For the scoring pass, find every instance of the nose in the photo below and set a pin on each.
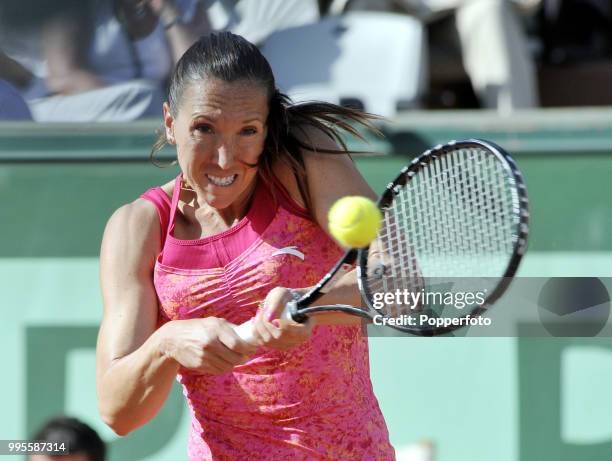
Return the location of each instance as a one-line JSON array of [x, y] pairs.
[[225, 155]]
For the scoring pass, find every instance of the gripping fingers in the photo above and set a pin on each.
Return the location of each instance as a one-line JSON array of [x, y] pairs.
[[266, 324], [215, 365], [266, 331], [273, 329], [234, 347], [295, 333], [219, 358]]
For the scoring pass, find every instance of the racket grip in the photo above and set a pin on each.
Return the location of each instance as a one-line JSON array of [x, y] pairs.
[[245, 330]]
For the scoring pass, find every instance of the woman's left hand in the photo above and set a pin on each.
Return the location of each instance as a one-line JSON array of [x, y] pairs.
[[270, 331]]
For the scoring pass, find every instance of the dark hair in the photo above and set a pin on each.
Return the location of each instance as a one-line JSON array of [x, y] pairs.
[[230, 58], [78, 437]]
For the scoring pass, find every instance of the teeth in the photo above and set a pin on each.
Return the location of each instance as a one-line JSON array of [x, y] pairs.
[[221, 181]]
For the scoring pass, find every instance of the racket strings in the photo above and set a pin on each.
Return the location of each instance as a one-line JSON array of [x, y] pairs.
[[455, 218]]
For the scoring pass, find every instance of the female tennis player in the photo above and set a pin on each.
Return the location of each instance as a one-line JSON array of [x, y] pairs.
[[243, 223]]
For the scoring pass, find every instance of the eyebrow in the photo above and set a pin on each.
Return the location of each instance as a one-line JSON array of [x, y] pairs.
[[211, 119]]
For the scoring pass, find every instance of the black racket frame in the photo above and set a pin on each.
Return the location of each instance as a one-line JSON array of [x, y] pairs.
[[300, 309]]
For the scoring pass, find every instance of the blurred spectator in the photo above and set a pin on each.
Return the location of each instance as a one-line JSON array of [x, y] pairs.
[[255, 20], [492, 41], [108, 60], [102, 60], [12, 71], [83, 442], [12, 105]]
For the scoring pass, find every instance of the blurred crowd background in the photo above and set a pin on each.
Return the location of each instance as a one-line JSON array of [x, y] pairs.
[[109, 60]]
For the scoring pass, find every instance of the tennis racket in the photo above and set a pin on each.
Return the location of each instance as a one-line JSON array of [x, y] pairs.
[[455, 221]]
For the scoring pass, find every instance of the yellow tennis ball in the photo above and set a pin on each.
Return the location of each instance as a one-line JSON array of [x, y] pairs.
[[354, 221]]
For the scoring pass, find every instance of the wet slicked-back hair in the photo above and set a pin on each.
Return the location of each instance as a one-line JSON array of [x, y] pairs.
[[224, 56], [231, 58]]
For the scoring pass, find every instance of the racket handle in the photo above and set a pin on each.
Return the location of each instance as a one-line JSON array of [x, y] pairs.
[[245, 330]]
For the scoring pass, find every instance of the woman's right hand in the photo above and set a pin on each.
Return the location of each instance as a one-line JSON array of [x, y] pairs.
[[208, 345]]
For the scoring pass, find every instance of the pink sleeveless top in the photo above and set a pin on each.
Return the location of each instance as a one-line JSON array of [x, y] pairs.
[[313, 402]]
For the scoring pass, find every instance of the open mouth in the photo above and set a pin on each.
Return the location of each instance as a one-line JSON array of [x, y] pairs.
[[222, 181]]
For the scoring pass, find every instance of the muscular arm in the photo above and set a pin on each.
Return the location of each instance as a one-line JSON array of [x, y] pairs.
[[137, 363], [133, 376]]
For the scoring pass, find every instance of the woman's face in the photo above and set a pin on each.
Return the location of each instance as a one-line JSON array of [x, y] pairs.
[[219, 130]]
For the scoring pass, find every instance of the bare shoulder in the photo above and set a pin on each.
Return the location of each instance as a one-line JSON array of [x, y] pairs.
[[132, 231], [168, 188], [140, 213], [335, 170], [286, 177], [316, 163], [329, 175], [310, 135], [316, 158]]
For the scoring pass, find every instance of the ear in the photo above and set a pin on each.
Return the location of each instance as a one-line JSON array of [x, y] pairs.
[[169, 124]]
